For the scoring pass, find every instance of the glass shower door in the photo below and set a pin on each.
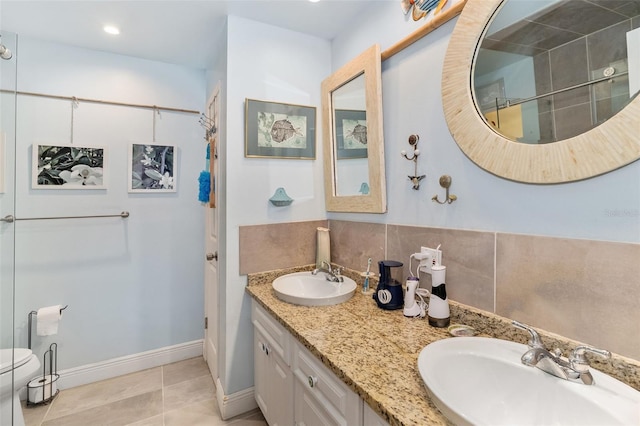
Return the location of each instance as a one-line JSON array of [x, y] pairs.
[[8, 75]]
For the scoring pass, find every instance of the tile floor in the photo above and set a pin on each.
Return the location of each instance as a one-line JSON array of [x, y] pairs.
[[178, 394]]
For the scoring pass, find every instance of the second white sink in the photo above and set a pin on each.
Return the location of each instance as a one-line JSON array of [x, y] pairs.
[[481, 381], [302, 288]]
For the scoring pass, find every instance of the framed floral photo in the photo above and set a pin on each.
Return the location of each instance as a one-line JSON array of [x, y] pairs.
[[152, 168], [276, 130], [68, 167]]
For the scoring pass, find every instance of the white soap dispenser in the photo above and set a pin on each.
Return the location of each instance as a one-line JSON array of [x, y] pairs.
[[438, 301]]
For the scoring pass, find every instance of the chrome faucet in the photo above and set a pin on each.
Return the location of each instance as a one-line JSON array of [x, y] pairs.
[[575, 368], [331, 274]]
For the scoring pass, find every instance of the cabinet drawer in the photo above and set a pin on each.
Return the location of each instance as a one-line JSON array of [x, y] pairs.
[[276, 335], [324, 385]]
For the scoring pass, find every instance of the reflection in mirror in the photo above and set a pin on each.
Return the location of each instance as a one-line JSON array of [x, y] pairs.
[[548, 70], [597, 146], [353, 147], [350, 139]]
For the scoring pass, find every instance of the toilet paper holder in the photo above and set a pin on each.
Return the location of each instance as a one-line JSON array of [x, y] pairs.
[[30, 325], [42, 389]]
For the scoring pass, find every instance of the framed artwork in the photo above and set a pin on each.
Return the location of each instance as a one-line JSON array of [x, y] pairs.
[[152, 168], [278, 130], [351, 133], [68, 167]]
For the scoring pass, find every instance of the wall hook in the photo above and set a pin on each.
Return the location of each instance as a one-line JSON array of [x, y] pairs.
[[209, 125], [445, 182], [415, 179]]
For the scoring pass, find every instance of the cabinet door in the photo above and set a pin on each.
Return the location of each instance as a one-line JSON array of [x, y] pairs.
[[280, 388], [260, 371], [273, 383]]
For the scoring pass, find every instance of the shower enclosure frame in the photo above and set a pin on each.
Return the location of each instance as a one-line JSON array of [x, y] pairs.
[[8, 124]]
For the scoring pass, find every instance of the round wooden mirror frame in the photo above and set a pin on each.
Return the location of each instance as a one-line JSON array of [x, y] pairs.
[[611, 145]]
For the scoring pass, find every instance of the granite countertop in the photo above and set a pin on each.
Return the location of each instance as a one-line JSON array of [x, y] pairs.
[[375, 351]]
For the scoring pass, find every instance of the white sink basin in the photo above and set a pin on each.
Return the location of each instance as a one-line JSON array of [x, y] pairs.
[[302, 288], [481, 381]]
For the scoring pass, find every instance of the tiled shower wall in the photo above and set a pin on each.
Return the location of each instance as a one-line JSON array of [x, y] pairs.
[[581, 289], [578, 110]]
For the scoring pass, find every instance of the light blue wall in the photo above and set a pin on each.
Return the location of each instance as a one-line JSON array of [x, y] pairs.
[[131, 285], [603, 208], [270, 64]]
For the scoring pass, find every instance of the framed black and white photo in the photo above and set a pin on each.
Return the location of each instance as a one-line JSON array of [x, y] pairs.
[[279, 130], [152, 168], [68, 167], [351, 133]]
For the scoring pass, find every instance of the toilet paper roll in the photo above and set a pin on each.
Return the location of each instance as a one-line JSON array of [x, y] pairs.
[[47, 320], [42, 388]]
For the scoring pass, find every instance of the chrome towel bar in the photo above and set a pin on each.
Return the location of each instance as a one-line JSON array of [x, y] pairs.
[[11, 218]]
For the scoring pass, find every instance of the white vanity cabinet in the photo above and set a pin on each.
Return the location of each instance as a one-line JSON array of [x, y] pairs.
[[273, 380], [293, 387]]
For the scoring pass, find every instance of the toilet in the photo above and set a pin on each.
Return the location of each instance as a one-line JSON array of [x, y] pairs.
[[17, 367]]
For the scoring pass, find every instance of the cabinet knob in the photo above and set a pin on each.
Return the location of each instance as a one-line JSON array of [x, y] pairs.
[[312, 381]]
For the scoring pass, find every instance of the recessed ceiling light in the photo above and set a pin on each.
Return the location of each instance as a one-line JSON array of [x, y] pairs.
[[314, 1], [110, 29]]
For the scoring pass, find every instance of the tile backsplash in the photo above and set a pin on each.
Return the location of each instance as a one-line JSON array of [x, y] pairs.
[[585, 290], [278, 245]]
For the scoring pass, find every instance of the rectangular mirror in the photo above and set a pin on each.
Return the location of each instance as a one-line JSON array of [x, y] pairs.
[[352, 136]]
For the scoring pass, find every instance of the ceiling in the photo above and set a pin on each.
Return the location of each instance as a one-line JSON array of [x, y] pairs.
[[176, 31]]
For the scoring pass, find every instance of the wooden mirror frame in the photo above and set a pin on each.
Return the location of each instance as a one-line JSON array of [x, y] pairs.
[[369, 63], [609, 146]]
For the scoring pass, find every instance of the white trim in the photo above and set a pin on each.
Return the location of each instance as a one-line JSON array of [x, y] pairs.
[[234, 404], [114, 367]]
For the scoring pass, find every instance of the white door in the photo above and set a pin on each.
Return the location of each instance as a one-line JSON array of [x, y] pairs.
[[211, 291]]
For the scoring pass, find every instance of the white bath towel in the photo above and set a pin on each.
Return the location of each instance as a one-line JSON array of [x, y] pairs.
[[47, 320]]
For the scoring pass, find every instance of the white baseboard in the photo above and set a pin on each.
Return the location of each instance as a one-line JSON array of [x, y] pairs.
[[234, 404], [110, 368]]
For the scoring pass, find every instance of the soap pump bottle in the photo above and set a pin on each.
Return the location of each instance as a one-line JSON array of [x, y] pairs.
[[438, 312]]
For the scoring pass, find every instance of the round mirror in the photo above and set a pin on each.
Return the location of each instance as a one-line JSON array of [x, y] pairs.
[[549, 70], [597, 134]]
